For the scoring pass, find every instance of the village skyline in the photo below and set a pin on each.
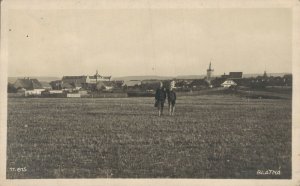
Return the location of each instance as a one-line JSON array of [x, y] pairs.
[[162, 76]]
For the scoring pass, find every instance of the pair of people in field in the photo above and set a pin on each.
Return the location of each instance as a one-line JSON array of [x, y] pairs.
[[160, 97]]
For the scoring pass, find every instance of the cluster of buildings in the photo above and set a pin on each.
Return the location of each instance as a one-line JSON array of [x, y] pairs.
[[228, 79], [81, 82], [27, 86], [76, 86], [234, 80]]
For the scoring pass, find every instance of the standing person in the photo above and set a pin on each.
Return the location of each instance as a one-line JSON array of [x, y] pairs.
[[160, 98], [171, 101]]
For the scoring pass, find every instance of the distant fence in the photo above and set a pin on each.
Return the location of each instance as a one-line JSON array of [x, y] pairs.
[[105, 95]]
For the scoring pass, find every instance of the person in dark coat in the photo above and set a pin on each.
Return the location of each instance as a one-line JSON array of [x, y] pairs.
[[171, 101], [160, 98]]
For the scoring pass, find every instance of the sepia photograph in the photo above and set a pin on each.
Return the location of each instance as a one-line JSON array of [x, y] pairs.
[[148, 90]]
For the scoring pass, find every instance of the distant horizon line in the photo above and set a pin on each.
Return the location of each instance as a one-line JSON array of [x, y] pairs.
[[150, 75]]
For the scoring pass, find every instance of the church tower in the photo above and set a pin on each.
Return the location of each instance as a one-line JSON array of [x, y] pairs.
[[209, 73], [265, 74]]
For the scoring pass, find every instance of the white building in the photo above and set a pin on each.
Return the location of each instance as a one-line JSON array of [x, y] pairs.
[[228, 83], [34, 92]]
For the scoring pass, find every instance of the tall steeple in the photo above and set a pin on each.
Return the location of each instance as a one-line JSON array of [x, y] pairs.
[[96, 75], [265, 74], [209, 73]]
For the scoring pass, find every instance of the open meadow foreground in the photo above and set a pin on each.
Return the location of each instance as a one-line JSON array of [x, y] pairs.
[[210, 136]]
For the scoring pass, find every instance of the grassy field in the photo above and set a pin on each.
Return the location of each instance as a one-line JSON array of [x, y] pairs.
[[211, 136]]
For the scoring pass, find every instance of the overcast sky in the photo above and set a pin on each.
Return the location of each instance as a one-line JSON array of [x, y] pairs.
[[148, 41]]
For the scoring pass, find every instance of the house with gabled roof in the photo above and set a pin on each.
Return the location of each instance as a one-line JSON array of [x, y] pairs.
[[228, 83], [29, 86], [73, 82]]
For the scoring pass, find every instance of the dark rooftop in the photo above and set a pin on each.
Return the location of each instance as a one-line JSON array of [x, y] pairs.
[[235, 75]]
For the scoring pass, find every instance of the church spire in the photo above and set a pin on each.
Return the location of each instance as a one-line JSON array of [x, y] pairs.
[[209, 73]]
